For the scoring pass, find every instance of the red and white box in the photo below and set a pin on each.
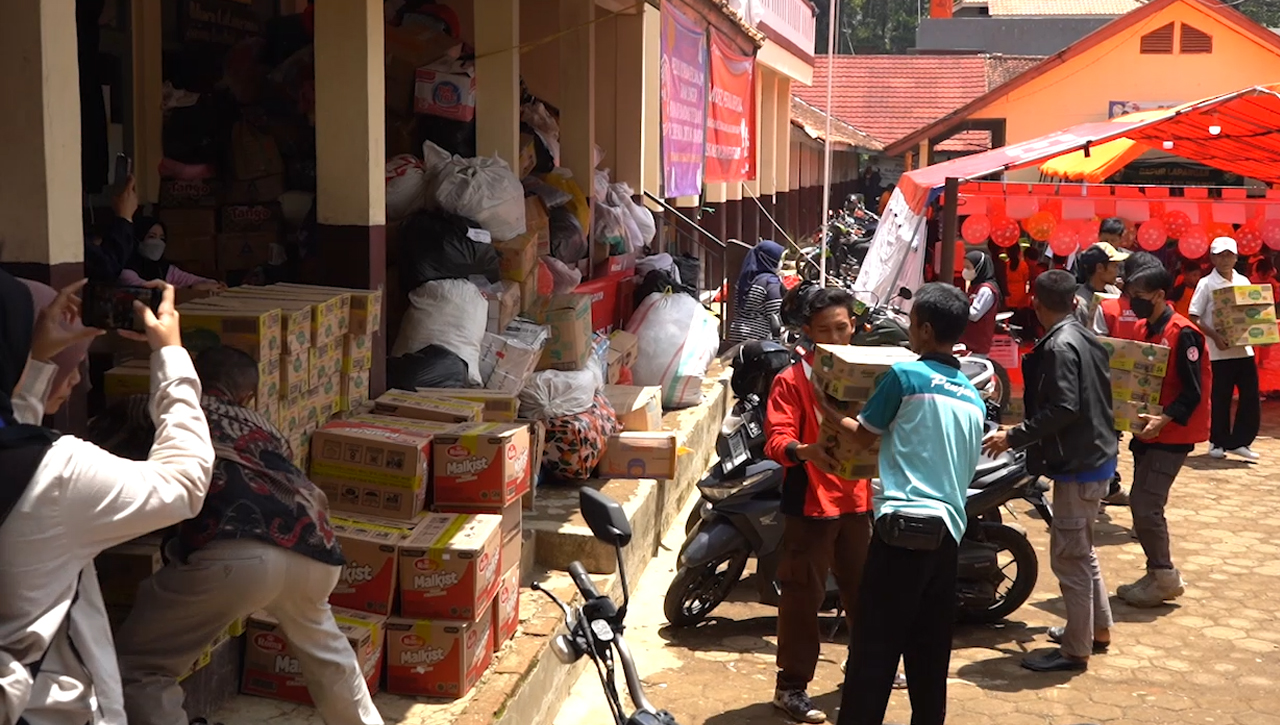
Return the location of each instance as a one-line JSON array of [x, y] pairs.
[[372, 548], [437, 657], [449, 568], [271, 665], [506, 608], [481, 464]]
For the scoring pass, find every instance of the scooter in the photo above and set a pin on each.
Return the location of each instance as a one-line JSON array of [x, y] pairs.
[[594, 628]]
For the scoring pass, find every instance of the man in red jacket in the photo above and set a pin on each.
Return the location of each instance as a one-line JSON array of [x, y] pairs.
[[827, 524]]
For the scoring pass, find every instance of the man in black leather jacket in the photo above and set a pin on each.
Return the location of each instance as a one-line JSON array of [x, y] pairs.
[[1069, 433]]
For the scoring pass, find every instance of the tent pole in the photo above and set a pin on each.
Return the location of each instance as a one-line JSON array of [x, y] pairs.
[[947, 258]]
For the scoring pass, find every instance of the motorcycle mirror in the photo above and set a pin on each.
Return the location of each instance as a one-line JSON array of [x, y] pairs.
[[904, 293], [605, 517]]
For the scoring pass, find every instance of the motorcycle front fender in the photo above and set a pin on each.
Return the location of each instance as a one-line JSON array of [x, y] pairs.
[[712, 541]]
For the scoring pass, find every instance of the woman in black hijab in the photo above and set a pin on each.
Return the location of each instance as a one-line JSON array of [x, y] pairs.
[[984, 302]]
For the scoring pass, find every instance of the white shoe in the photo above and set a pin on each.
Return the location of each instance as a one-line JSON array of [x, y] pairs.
[[797, 704], [1217, 452], [1165, 585], [1245, 452]]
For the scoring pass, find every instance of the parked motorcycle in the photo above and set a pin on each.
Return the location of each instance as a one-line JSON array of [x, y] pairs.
[[595, 627]]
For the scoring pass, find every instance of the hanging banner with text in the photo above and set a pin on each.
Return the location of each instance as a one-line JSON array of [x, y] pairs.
[[684, 104], [731, 121]]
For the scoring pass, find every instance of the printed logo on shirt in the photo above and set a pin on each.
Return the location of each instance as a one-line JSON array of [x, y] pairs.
[[1193, 354]]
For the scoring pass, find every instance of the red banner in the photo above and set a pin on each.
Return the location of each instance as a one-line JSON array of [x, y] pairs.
[[731, 117]]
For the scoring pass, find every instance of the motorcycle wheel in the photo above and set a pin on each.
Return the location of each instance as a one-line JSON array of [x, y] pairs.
[[1004, 388], [695, 592], [1012, 548]]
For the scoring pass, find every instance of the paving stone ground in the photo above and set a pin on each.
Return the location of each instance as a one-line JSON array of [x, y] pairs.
[[1213, 657]]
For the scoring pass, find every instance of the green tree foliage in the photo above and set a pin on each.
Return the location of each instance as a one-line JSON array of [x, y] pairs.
[[1266, 12], [878, 26]]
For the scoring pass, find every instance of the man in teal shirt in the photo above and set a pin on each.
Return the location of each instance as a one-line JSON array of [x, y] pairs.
[[929, 419]]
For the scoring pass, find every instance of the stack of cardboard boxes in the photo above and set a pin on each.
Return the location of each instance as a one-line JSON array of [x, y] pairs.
[[1137, 374], [642, 449], [847, 375], [190, 215], [214, 230], [1246, 315]]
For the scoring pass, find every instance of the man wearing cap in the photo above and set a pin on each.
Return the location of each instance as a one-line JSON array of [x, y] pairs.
[[1234, 369]]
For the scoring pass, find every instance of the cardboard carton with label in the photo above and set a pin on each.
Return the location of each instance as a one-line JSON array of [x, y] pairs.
[[437, 657], [371, 469], [639, 409], [271, 665], [851, 372], [1137, 356], [421, 406], [449, 567], [371, 545], [640, 455], [481, 464]]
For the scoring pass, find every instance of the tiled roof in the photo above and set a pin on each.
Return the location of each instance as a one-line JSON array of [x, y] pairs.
[[890, 96], [1045, 8], [814, 122], [1004, 68]]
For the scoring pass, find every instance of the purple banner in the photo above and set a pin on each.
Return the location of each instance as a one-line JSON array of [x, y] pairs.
[[684, 104]]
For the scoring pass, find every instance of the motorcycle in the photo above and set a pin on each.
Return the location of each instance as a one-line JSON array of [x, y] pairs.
[[594, 628]]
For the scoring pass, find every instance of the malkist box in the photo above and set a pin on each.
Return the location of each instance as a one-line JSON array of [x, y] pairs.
[[1142, 357], [1127, 414], [1135, 387], [206, 324], [851, 372], [371, 546], [366, 305], [370, 469], [423, 406], [1243, 294], [640, 455], [506, 607], [449, 567], [481, 464], [512, 515], [437, 657], [271, 665], [499, 407], [357, 353], [639, 409], [854, 462]]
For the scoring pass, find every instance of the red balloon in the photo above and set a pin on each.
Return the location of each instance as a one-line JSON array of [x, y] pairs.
[[1194, 242], [976, 228], [1248, 238], [1005, 231], [1270, 230], [1064, 241], [1152, 235], [1177, 223], [1040, 225], [1219, 229]]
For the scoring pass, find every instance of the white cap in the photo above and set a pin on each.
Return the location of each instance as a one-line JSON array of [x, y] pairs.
[[1223, 244]]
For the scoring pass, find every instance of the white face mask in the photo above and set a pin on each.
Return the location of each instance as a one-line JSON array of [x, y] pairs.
[[151, 248], [969, 274]]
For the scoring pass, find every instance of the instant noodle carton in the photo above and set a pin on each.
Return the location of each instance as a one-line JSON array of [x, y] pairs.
[[1246, 315], [371, 546], [422, 406], [1135, 387], [851, 372], [1127, 415], [366, 305], [481, 464], [295, 315], [506, 607], [271, 665], [1140, 357], [854, 462], [254, 331], [438, 657], [1243, 294], [357, 353], [449, 567]]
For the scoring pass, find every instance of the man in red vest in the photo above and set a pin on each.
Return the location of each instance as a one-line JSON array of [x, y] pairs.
[[1161, 448]]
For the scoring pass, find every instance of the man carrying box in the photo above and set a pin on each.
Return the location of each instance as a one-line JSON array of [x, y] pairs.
[[1161, 448], [1071, 436], [1234, 368], [825, 517]]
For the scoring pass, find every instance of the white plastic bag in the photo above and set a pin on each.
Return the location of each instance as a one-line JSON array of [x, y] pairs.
[[544, 124], [557, 393], [565, 278], [406, 186], [620, 196], [485, 190], [677, 339], [434, 160], [600, 185], [664, 262], [451, 313]]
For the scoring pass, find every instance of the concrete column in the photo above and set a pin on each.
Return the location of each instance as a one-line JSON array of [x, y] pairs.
[[147, 88], [41, 229], [768, 142], [651, 83], [578, 92], [498, 73], [351, 203]]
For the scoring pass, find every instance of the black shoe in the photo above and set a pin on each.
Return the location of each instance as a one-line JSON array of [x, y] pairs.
[[1054, 661], [1056, 634]]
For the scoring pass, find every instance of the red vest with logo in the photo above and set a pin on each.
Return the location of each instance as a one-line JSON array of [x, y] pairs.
[[1121, 322], [979, 333], [1197, 428]]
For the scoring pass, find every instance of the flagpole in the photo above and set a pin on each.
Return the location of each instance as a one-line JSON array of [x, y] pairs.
[[826, 150]]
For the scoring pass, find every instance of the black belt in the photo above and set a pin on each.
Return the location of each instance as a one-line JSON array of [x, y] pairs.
[[911, 531]]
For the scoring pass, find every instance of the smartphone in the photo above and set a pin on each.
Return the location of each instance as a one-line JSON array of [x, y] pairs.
[[110, 306], [124, 167]]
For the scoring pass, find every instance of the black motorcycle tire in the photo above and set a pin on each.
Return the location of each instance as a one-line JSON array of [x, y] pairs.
[[688, 582], [1006, 538]]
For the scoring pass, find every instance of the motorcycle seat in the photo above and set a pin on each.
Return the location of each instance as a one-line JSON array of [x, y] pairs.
[[989, 469]]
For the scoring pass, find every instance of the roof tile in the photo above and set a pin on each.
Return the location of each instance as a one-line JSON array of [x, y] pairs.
[[1042, 8]]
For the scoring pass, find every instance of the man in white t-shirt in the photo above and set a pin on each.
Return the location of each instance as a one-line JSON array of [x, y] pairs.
[[1234, 368]]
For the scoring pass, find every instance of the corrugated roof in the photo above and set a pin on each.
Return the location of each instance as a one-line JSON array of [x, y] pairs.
[[1053, 8], [814, 123]]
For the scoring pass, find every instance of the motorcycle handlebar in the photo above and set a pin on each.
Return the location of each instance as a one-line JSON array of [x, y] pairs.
[[583, 581]]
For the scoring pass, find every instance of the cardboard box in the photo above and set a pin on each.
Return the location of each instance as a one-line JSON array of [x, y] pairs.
[[531, 303], [437, 658], [446, 89], [256, 191], [639, 409], [1243, 294], [537, 224], [237, 251], [855, 462], [366, 305], [123, 567], [1127, 414], [254, 152], [528, 155], [249, 218], [607, 310], [449, 567], [183, 193], [189, 223], [506, 607], [407, 424], [512, 517], [506, 364], [197, 255], [1266, 333], [518, 257], [850, 372], [422, 406], [504, 305], [569, 317], [295, 315], [370, 469], [499, 407], [325, 361], [331, 309], [206, 325], [1142, 357], [1247, 324], [640, 455], [295, 373], [626, 345], [1135, 387], [130, 378], [268, 383], [357, 353], [481, 464], [370, 578], [354, 392], [512, 548], [408, 48], [271, 665]]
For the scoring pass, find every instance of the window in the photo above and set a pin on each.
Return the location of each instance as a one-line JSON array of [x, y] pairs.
[[1194, 41], [1159, 41]]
